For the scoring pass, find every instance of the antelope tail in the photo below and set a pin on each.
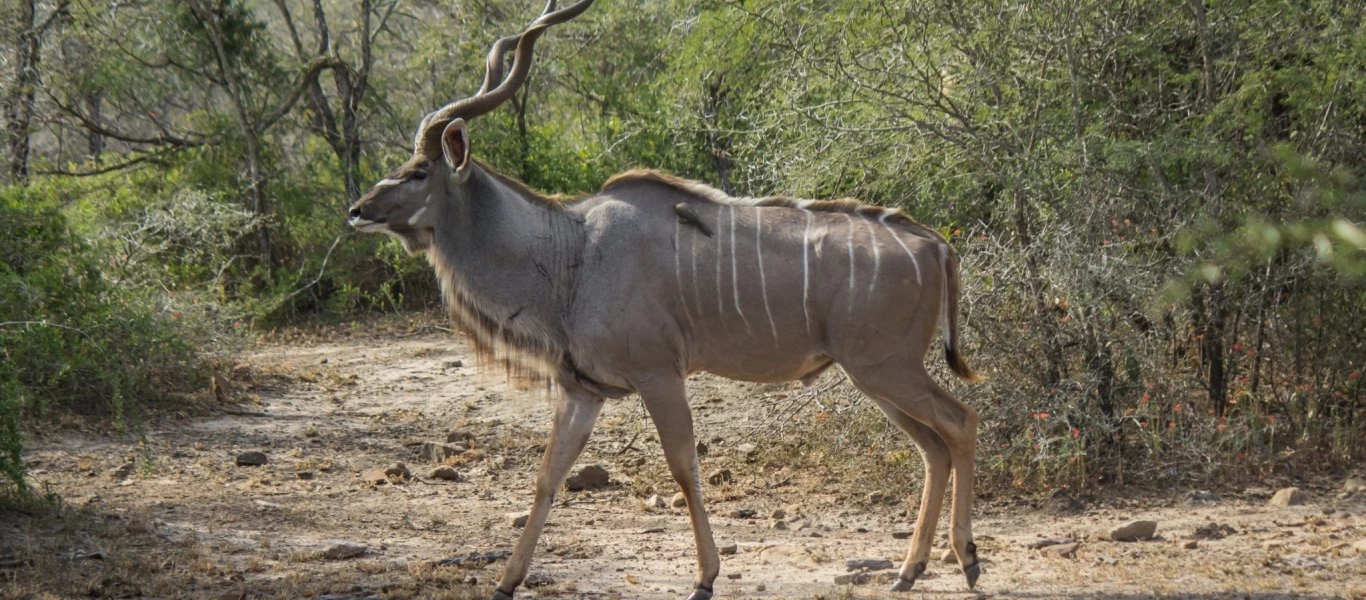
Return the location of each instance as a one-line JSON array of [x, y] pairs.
[[948, 315]]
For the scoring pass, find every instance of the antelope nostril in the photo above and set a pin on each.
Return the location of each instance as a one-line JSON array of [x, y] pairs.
[[355, 213]]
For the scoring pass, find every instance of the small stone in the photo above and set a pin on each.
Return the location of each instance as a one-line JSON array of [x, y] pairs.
[[777, 524], [868, 564], [747, 449], [761, 587], [1213, 531], [591, 477], [538, 580], [701, 448], [656, 501], [742, 513], [1288, 497], [305, 475], [1062, 550], [433, 452], [720, 476], [678, 501], [728, 549], [853, 579], [398, 471], [1191, 545], [732, 575], [445, 474], [453, 364], [1134, 532], [902, 535], [1044, 543], [518, 520], [251, 459], [343, 551], [876, 498], [778, 513], [460, 436], [1201, 498], [122, 472]]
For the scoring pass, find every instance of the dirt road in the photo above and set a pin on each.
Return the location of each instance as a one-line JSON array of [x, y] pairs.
[[184, 520]]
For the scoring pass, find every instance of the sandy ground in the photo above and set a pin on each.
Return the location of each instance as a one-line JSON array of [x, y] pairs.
[[184, 521]]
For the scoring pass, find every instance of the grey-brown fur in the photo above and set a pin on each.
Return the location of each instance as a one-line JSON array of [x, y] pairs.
[[655, 277]]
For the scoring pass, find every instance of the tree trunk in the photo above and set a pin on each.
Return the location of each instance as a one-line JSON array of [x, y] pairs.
[[19, 100]]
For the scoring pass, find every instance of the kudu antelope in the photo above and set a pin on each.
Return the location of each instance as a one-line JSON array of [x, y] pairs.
[[631, 289]]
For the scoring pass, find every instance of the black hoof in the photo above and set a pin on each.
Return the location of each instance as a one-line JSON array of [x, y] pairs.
[[501, 595], [906, 582], [972, 573], [700, 594]]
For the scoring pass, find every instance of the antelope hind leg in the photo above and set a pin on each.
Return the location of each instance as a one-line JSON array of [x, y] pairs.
[[575, 412], [935, 455]]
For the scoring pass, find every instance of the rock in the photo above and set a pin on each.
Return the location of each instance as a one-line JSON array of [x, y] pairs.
[[122, 472], [778, 513], [438, 453], [591, 477], [453, 364], [251, 459], [1191, 545], [518, 519], [948, 556], [395, 473], [343, 551], [719, 477], [777, 524], [1288, 497], [1134, 532], [742, 513], [678, 501], [1062, 550], [729, 549], [868, 564], [701, 448], [732, 575], [853, 579], [1062, 503], [445, 474], [1044, 543], [876, 498], [761, 587], [902, 535], [656, 501], [747, 449], [305, 475]]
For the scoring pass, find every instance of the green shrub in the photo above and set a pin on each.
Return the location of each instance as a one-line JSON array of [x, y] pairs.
[[69, 338]]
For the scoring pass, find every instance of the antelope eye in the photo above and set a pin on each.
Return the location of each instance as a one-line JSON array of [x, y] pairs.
[[418, 176]]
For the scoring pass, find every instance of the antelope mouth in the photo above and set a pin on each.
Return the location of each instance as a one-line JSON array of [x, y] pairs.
[[368, 226]]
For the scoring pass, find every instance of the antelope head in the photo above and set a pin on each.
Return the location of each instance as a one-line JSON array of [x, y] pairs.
[[409, 202]]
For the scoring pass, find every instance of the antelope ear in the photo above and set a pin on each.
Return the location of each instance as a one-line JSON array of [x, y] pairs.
[[455, 146]]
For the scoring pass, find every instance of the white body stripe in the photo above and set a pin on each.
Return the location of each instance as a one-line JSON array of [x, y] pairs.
[[678, 271], [417, 215], [763, 281], [850, 244], [877, 257], [735, 270], [806, 270], [883, 221]]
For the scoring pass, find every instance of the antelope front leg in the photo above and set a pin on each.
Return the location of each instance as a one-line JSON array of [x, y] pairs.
[[667, 403], [575, 413]]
